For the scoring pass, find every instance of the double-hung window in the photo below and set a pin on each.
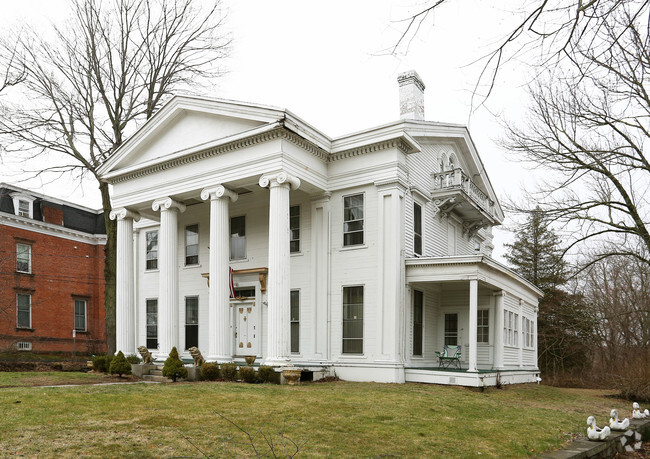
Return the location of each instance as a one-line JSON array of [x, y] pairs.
[[353, 320], [418, 310], [238, 238], [294, 226], [353, 220], [152, 249], [152, 324], [24, 310], [80, 315], [529, 333], [511, 328], [417, 229], [295, 321], [24, 208], [191, 321], [23, 258], [192, 245], [482, 326]]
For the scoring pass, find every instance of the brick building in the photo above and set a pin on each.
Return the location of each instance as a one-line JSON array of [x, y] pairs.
[[51, 274]]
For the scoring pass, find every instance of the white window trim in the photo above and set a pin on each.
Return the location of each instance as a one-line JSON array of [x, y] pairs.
[[422, 227], [146, 252], [299, 251], [363, 244], [17, 197], [346, 355], [483, 343], [198, 245], [29, 258], [245, 257]]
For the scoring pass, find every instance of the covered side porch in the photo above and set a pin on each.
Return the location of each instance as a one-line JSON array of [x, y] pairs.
[[480, 312]]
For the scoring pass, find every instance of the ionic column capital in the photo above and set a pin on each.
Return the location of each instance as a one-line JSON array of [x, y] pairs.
[[218, 192], [279, 179], [123, 213], [166, 204]]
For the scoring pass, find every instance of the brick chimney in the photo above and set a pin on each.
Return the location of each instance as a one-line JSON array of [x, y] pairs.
[[411, 96]]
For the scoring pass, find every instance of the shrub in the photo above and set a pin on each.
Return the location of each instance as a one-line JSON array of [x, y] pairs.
[[102, 363], [229, 371], [266, 374], [174, 367], [132, 358], [108, 359], [210, 371], [247, 374], [119, 365]]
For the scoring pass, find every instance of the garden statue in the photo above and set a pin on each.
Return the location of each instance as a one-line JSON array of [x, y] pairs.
[[614, 422], [593, 432], [196, 355], [147, 359], [637, 413]]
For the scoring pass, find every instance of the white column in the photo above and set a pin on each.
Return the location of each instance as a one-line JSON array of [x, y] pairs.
[[520, 332], [278, 285], [168, 280], [125, 287], [473, 312], [498, 329], [219, 335]]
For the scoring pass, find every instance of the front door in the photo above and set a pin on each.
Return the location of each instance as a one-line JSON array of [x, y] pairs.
[[246, 331]]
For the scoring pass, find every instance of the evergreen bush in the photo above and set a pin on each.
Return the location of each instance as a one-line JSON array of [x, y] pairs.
[[132, 358], [229, 371], [108, 359], [247, 374], [210, 371], [266, 374], [174, 367], [99, 363], [119, 365]]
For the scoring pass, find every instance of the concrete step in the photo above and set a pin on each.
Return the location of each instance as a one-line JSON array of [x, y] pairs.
[[155, 378], [155, 372]]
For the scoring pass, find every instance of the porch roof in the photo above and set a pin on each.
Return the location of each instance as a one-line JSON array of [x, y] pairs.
[[467, 267]]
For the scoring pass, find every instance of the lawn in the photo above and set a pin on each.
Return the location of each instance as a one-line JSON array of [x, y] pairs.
[[333, 419]]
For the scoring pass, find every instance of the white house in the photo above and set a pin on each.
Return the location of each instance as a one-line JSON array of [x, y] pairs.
[[359, 256]]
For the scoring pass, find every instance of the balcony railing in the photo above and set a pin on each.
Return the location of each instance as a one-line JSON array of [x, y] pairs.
[[456, 179]]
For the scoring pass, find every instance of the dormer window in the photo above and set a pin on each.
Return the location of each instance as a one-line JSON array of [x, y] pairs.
[[23, 205]]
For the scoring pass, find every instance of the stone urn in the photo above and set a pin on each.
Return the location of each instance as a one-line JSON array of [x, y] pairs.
[[292, 375], [250, 359]]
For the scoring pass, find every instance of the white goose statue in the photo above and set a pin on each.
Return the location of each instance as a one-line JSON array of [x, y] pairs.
[[593, 432], [615, 423], [637, 413]]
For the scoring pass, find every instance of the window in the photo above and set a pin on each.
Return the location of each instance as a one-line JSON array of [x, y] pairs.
[[295, 321], [192, 245], [80, 315], [451, 329], [353, 220], [418, 305], [23, 258], [191, 321], [529, 332], [238, 238], [24, 208], [245, 292], [294, 226], [510, 328], [353, 320], [482, 326], [417, 228], [152, 324], [152, 249], [516, 331], [24, 310]]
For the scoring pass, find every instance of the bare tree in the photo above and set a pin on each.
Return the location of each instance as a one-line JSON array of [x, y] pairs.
[[85, 89], [588, 126]]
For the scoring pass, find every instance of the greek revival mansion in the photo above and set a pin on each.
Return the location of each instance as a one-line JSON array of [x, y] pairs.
[[360, 256]]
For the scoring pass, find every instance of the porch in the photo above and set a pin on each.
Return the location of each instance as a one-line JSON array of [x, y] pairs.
[[463, 377]]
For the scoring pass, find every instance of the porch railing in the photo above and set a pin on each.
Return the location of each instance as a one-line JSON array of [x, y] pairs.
[[457, 179]]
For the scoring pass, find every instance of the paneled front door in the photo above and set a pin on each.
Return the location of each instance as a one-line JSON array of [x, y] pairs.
[[246, 328]]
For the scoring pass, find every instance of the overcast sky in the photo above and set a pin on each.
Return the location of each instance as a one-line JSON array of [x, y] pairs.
[[324, 62]]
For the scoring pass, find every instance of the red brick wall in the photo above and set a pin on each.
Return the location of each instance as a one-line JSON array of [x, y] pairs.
[[62, 270], [52, 215]]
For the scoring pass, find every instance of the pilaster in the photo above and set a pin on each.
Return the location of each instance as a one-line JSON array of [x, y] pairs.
[[473, 322], [498, 329], [320, 246]]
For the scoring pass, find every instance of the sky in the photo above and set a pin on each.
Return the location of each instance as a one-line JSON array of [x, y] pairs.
[[326, 61]]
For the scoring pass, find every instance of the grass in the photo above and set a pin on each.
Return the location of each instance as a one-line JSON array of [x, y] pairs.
[[335, 419], [52, 378]]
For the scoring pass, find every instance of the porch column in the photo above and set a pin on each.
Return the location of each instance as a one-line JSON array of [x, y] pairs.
[[278, 284], [125, 285], [219, 335], [473, 312], [168, 280], [498, 329]]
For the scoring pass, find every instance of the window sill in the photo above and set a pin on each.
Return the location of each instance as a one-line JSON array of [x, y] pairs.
[[24, 329], [25, 273], [81, 332], [151, 270], [353, 357], [296, 254], [353, 247], [191, 266], [239, 260]]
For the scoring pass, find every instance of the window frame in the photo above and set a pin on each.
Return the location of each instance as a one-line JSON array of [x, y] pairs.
[[356, 319], [29, 310], [150, 251], [418, 235], [85, 314], [230, 238], [418, 327], [29, 258], [191, 324], [17, 198], [152, 302], [294, 321], [483, 328], [362, 220], [193, 259], [294, 229]]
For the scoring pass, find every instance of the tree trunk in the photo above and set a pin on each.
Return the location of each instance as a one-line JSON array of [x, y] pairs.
[[109, 269]]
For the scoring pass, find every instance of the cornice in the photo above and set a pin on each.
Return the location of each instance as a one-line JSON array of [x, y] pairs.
[[392, 143], [28, 224]]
